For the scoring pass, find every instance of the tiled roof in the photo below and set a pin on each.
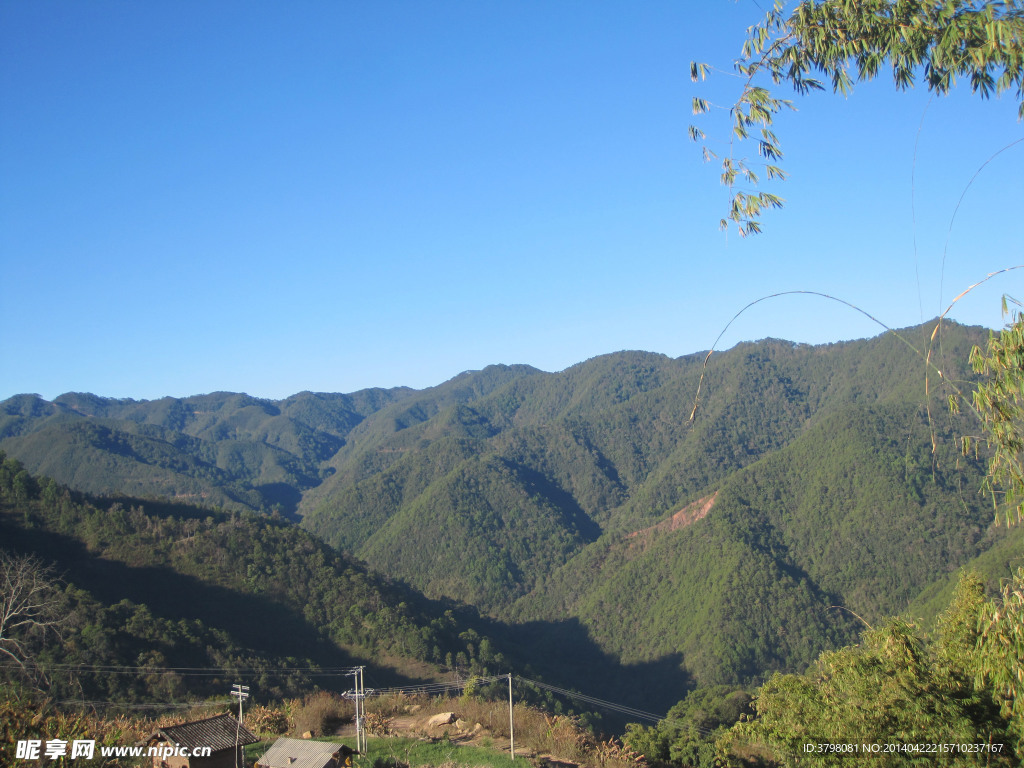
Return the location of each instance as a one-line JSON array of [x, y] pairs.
[[215, 732], [298, 753]]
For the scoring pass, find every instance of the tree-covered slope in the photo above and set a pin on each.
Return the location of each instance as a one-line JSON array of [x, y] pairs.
[[605, 446], [518, 490], [172, 587], [995, 566], [854, 517], [487, 530], [224, 448]]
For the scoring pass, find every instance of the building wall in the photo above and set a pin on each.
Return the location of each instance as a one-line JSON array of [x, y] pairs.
[[223, 759]]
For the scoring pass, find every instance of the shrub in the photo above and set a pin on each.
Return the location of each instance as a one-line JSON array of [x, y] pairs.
[[266, 721], [318, 713], [379, 725]]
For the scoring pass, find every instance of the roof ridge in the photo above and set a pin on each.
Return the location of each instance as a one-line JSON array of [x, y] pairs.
[[201, 720]]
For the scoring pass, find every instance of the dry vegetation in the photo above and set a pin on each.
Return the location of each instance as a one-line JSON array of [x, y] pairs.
[[548, 738], [318, 714], [544, 739]]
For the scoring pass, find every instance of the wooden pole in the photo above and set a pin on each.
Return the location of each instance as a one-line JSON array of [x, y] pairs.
[[511, 722], [362, 713]]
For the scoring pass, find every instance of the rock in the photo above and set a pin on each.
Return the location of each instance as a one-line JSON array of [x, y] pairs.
[[444, 718]]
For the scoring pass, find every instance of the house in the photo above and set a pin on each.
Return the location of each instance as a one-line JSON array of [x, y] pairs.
[[301, 753], [213, 742]]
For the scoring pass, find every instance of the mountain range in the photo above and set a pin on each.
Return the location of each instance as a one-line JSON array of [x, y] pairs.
[[601, 523]]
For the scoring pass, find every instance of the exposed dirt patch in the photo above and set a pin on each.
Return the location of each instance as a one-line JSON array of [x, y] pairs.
[[458, 731], [688, 515]]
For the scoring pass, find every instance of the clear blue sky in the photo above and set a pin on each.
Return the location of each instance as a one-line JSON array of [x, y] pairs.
[[272, 197]]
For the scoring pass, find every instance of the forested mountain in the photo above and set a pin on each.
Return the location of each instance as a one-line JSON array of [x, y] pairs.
[[198, 598], [775, 563], [489, 498], [586, 508], [224, 448]]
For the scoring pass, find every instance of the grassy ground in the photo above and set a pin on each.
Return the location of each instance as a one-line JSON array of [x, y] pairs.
[[475, 735], [397, 752]]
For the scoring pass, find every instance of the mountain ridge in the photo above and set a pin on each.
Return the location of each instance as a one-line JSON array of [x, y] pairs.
[[547, 500]]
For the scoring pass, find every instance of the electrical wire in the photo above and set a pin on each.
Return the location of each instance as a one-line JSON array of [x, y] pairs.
[[131, 705], [425, 689], [614, 707], [196, 671], [638, 713], [429, 688]]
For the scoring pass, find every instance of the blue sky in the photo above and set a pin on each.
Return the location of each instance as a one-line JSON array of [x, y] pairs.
[[274, 197]]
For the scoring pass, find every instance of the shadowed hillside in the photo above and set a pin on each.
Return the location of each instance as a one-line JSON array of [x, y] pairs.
[[587, 504]]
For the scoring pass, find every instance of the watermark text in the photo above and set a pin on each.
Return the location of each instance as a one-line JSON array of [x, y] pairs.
[[51, 749]]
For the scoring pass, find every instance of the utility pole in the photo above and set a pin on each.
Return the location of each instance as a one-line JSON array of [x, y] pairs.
[[361, 725], [242, 692], [358, 695], [511, 723]]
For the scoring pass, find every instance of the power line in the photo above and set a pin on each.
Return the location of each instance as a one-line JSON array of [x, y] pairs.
[[132, 705], [429, 688], [620, 708], [638, 713], [426, 689], [194, 671]]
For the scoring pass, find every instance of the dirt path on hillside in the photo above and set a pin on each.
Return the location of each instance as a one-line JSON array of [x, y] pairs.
[[438, 726]]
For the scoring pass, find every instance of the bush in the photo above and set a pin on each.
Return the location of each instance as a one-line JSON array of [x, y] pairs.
[[318, 713], [394, 704], [266, 721], [379, 725]]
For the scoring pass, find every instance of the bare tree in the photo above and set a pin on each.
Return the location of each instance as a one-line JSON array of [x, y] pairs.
[[29, 606]]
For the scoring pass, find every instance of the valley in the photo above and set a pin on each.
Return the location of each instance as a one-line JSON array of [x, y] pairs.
[[573, 527]]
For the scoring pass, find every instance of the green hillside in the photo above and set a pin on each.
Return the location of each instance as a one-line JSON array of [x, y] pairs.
[[175, 587], [226, 449], [603, 447], [994, 565], [845, 516], [601, 532]]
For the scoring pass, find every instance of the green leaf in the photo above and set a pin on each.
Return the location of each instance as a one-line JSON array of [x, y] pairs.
[[981, 41]]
